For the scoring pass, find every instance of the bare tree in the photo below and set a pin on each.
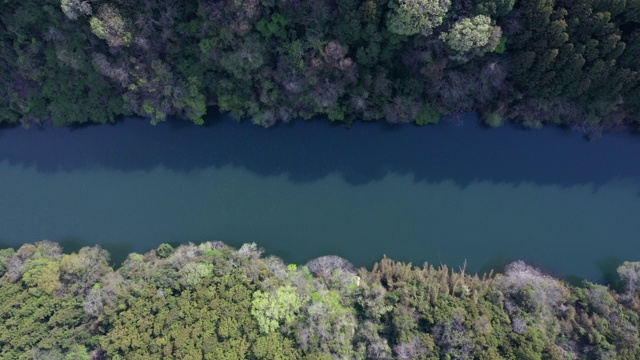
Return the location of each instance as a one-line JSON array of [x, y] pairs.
[[528, 289], [454, 339], [629, 273], [325, 265], [74, 8], [411, 349]]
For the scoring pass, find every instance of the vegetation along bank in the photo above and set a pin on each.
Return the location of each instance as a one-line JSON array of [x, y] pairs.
[[572, 62], [214, 302]]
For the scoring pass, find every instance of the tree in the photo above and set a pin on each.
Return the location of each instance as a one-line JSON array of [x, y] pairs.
[[74, 8], [80, 272], [273, 309], [472, 36], [410, 17], [5, 259], [164, 250], [109, 25], [528, 289], [496, 8], [325, 265], [195, 273], [328, 326], [629, 273], [454, 339]]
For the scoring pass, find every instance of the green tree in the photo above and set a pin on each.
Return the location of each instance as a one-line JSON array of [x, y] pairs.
[[164, 250], [497, 8], [472, 36], [410, 17], [273, 309]]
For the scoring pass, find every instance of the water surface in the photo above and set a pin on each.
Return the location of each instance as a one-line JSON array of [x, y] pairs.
[[451, 193]]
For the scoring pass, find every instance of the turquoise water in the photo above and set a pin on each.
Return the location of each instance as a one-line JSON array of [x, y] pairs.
[[556, 200]]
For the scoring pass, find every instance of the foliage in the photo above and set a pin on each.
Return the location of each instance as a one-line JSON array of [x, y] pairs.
[[38, 314], [409, 61], [472, 36], [271, 310], [410, 17], [494, 8], [109, 25], [210, 301]]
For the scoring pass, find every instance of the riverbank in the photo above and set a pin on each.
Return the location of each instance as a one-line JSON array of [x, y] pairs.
[[209, 299], [78, 62]]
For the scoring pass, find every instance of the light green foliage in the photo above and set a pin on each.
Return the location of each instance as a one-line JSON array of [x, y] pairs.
[[37, 316], [43, 274], [472, 36], [193, 274], [109, 25], [410, 17], [274, 346], [209, 318], [77, 352], [273, 309], [212, 322]]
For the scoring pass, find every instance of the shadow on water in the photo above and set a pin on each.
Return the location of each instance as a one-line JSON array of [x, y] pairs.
[[609, 269], [459, 150], [6, 245], [71, 244], [495, 265], [574, 280]]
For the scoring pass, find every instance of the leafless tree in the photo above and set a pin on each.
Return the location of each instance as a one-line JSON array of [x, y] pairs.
[[532, 291], [629, 273], [325, 265], [518, 325], [454, 339], [410, 350]]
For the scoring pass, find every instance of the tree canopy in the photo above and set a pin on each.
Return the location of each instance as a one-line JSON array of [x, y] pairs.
[[410, 17], [211, 301], [574, 63]]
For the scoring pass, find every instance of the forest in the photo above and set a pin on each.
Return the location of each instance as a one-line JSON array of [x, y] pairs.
[[571, 62], [211, 301]]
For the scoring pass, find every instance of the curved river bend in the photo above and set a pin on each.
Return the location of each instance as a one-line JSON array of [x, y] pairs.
[[448, 193]]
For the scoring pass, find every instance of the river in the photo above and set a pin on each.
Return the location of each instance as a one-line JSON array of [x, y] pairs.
[[452, 193]]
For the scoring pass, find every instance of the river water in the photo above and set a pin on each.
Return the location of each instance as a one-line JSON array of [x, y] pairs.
[[449, 193]]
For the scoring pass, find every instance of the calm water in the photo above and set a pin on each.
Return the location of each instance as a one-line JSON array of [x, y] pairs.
[[447, 194]]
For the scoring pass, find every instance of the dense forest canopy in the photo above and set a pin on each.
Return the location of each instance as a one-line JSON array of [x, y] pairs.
[[210, 301], [573, 62]]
